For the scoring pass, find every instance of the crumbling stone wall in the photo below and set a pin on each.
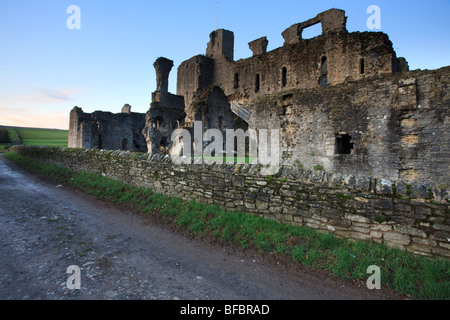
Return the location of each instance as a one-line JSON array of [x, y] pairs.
[[105, 130], [344, 102], [167, 112], [391, 126], [212, 109], [413, 217], [194, 76], [330, 59]]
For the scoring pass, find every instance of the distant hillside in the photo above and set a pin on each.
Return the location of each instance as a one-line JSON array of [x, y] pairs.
[[38, 137]]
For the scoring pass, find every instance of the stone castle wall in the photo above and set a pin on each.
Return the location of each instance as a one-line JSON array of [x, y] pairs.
[[105, 130], [397, 126], [326, 60], [413, 217]]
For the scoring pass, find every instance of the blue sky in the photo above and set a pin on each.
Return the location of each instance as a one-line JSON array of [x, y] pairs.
[[47, 69]]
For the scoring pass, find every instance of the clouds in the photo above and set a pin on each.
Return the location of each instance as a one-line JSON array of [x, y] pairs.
[[38, 107], [56, 95], [52, 120], [39, 96]]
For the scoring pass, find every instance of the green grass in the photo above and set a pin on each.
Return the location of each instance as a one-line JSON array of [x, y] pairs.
[[40, 137], [13, 133], [43, 137], [405, 273]]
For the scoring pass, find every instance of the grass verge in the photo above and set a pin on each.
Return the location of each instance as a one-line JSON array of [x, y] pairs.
[[402, 272]]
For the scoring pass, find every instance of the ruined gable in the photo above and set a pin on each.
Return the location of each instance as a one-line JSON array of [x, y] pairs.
[[105, 130]]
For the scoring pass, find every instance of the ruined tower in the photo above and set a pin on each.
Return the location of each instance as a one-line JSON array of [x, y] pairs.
[[221, 44], [166, 111]]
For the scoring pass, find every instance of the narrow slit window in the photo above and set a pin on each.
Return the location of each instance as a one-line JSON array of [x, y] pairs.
[[236, 80], [284, 77], [257, 83], [124, 144], [362, 66], [323, 80]]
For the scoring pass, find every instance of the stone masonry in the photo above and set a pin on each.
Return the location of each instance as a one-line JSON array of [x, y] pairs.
[[413, 217], [105, 130], [364, 141], [344, 102]]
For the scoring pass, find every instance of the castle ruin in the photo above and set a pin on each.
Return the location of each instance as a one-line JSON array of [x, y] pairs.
[[344, 102]]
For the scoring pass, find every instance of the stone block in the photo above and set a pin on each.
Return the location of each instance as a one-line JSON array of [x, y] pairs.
[[441, 227], [249, 205], [445, 245], [319, 218], [410, 230], [340, 223], [419, 249], [363, 183], [276, 209], [357, 218], [331, 213], [261, 205], [360, 229], [385, 186], [441, 251], [397, 238], [441, 236], [424, 241], [312, 225], [360, 236], [384, 204], [238, 181], [376, 234], [419, 191], [381, 227]]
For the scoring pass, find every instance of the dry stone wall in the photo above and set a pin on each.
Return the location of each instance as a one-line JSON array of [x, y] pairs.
[[413, 217]]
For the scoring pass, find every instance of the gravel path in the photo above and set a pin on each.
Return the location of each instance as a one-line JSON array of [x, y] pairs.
[[45, 228]]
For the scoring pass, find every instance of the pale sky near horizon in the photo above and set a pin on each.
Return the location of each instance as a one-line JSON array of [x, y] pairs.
[[47, 69]]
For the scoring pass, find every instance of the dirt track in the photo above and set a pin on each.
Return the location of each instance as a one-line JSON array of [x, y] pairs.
[[45, 228]]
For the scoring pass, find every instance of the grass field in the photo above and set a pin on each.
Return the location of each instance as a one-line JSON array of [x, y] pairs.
[[38, 137]]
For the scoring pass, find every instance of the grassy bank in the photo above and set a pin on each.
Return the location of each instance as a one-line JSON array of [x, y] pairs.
[[405, 273], [39, 137]]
